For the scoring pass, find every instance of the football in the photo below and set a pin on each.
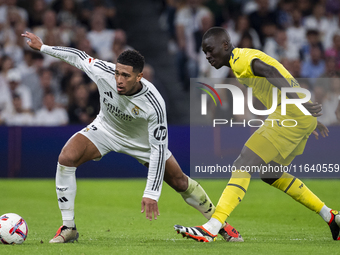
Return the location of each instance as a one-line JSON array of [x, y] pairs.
[[13, 229]]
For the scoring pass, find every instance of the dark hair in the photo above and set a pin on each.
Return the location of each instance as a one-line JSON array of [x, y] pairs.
[[216, 31], [132, 58], [312, 32]]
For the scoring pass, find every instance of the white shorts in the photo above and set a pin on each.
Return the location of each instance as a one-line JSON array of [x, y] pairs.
[[107, 142]]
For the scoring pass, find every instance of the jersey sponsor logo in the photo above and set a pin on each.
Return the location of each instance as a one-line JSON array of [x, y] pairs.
[[160, 133], [108, 93], [135, 110], [115, 111], [91, 60]]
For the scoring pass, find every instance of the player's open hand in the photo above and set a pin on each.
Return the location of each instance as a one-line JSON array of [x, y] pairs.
[[323, 130], [34, 41], [314, 108], [150, 206]]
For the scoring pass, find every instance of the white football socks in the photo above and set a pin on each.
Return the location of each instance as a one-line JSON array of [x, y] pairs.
[[197, 198], [325, 213], [213, 226], [66, 187]]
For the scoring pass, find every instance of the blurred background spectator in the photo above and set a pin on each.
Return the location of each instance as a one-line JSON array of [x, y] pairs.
[[18, 116], [81, 110], [100, 38], [16, 87], [188, 24], [50, 114]]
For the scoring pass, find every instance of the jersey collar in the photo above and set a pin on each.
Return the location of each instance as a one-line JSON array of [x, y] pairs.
[[232, 56], [141, 92]]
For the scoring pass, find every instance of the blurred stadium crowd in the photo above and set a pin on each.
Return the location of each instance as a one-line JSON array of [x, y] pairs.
[[35, 89]]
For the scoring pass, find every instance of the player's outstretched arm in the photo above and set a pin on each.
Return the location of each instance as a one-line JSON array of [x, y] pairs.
[[158, 140], [34, 41], [322, 129], [72, 56], [262, 69]]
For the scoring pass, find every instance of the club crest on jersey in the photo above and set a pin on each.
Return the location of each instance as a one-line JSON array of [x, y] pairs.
[[135, 110], [160, 133]]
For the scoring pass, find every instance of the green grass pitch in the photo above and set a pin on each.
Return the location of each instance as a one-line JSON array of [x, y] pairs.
[[109, 221]]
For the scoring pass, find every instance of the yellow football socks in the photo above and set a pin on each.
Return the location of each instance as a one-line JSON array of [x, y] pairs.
[[232, 195], [298, 191]]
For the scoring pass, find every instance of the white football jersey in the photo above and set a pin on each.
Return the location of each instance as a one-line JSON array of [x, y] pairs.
[[138, 120]]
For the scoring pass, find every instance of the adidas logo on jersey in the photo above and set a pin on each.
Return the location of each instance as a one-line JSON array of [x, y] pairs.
[[109, 93]]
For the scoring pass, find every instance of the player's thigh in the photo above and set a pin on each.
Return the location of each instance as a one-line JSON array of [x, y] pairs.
[[258, 150], [174, 175], [77, 150]]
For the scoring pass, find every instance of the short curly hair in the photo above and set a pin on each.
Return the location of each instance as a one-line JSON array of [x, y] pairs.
[[132, 58]]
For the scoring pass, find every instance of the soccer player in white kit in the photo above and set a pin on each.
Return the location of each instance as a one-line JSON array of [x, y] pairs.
[[132, 120]]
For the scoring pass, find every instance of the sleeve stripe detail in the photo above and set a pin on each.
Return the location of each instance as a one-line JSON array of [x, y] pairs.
[[160, 169], [151, 100], [105, 70], [160, 177], [160, 107], [104, 67], [82, 55], [150, 96]]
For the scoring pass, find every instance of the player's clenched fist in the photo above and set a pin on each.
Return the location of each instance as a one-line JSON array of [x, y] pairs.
[[34, 41]]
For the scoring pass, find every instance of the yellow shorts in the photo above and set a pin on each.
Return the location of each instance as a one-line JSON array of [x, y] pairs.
[[268, 152], [274, 142]]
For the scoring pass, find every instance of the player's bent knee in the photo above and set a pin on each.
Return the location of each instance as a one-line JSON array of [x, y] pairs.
[[270, 178], [270, 181], [180, 184], [67, 159]]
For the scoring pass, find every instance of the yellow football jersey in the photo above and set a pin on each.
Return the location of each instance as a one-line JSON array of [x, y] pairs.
[[241, 64], [287, 140]]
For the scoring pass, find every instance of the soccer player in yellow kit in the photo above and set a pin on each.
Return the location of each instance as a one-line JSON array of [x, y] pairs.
[[272, 143]]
